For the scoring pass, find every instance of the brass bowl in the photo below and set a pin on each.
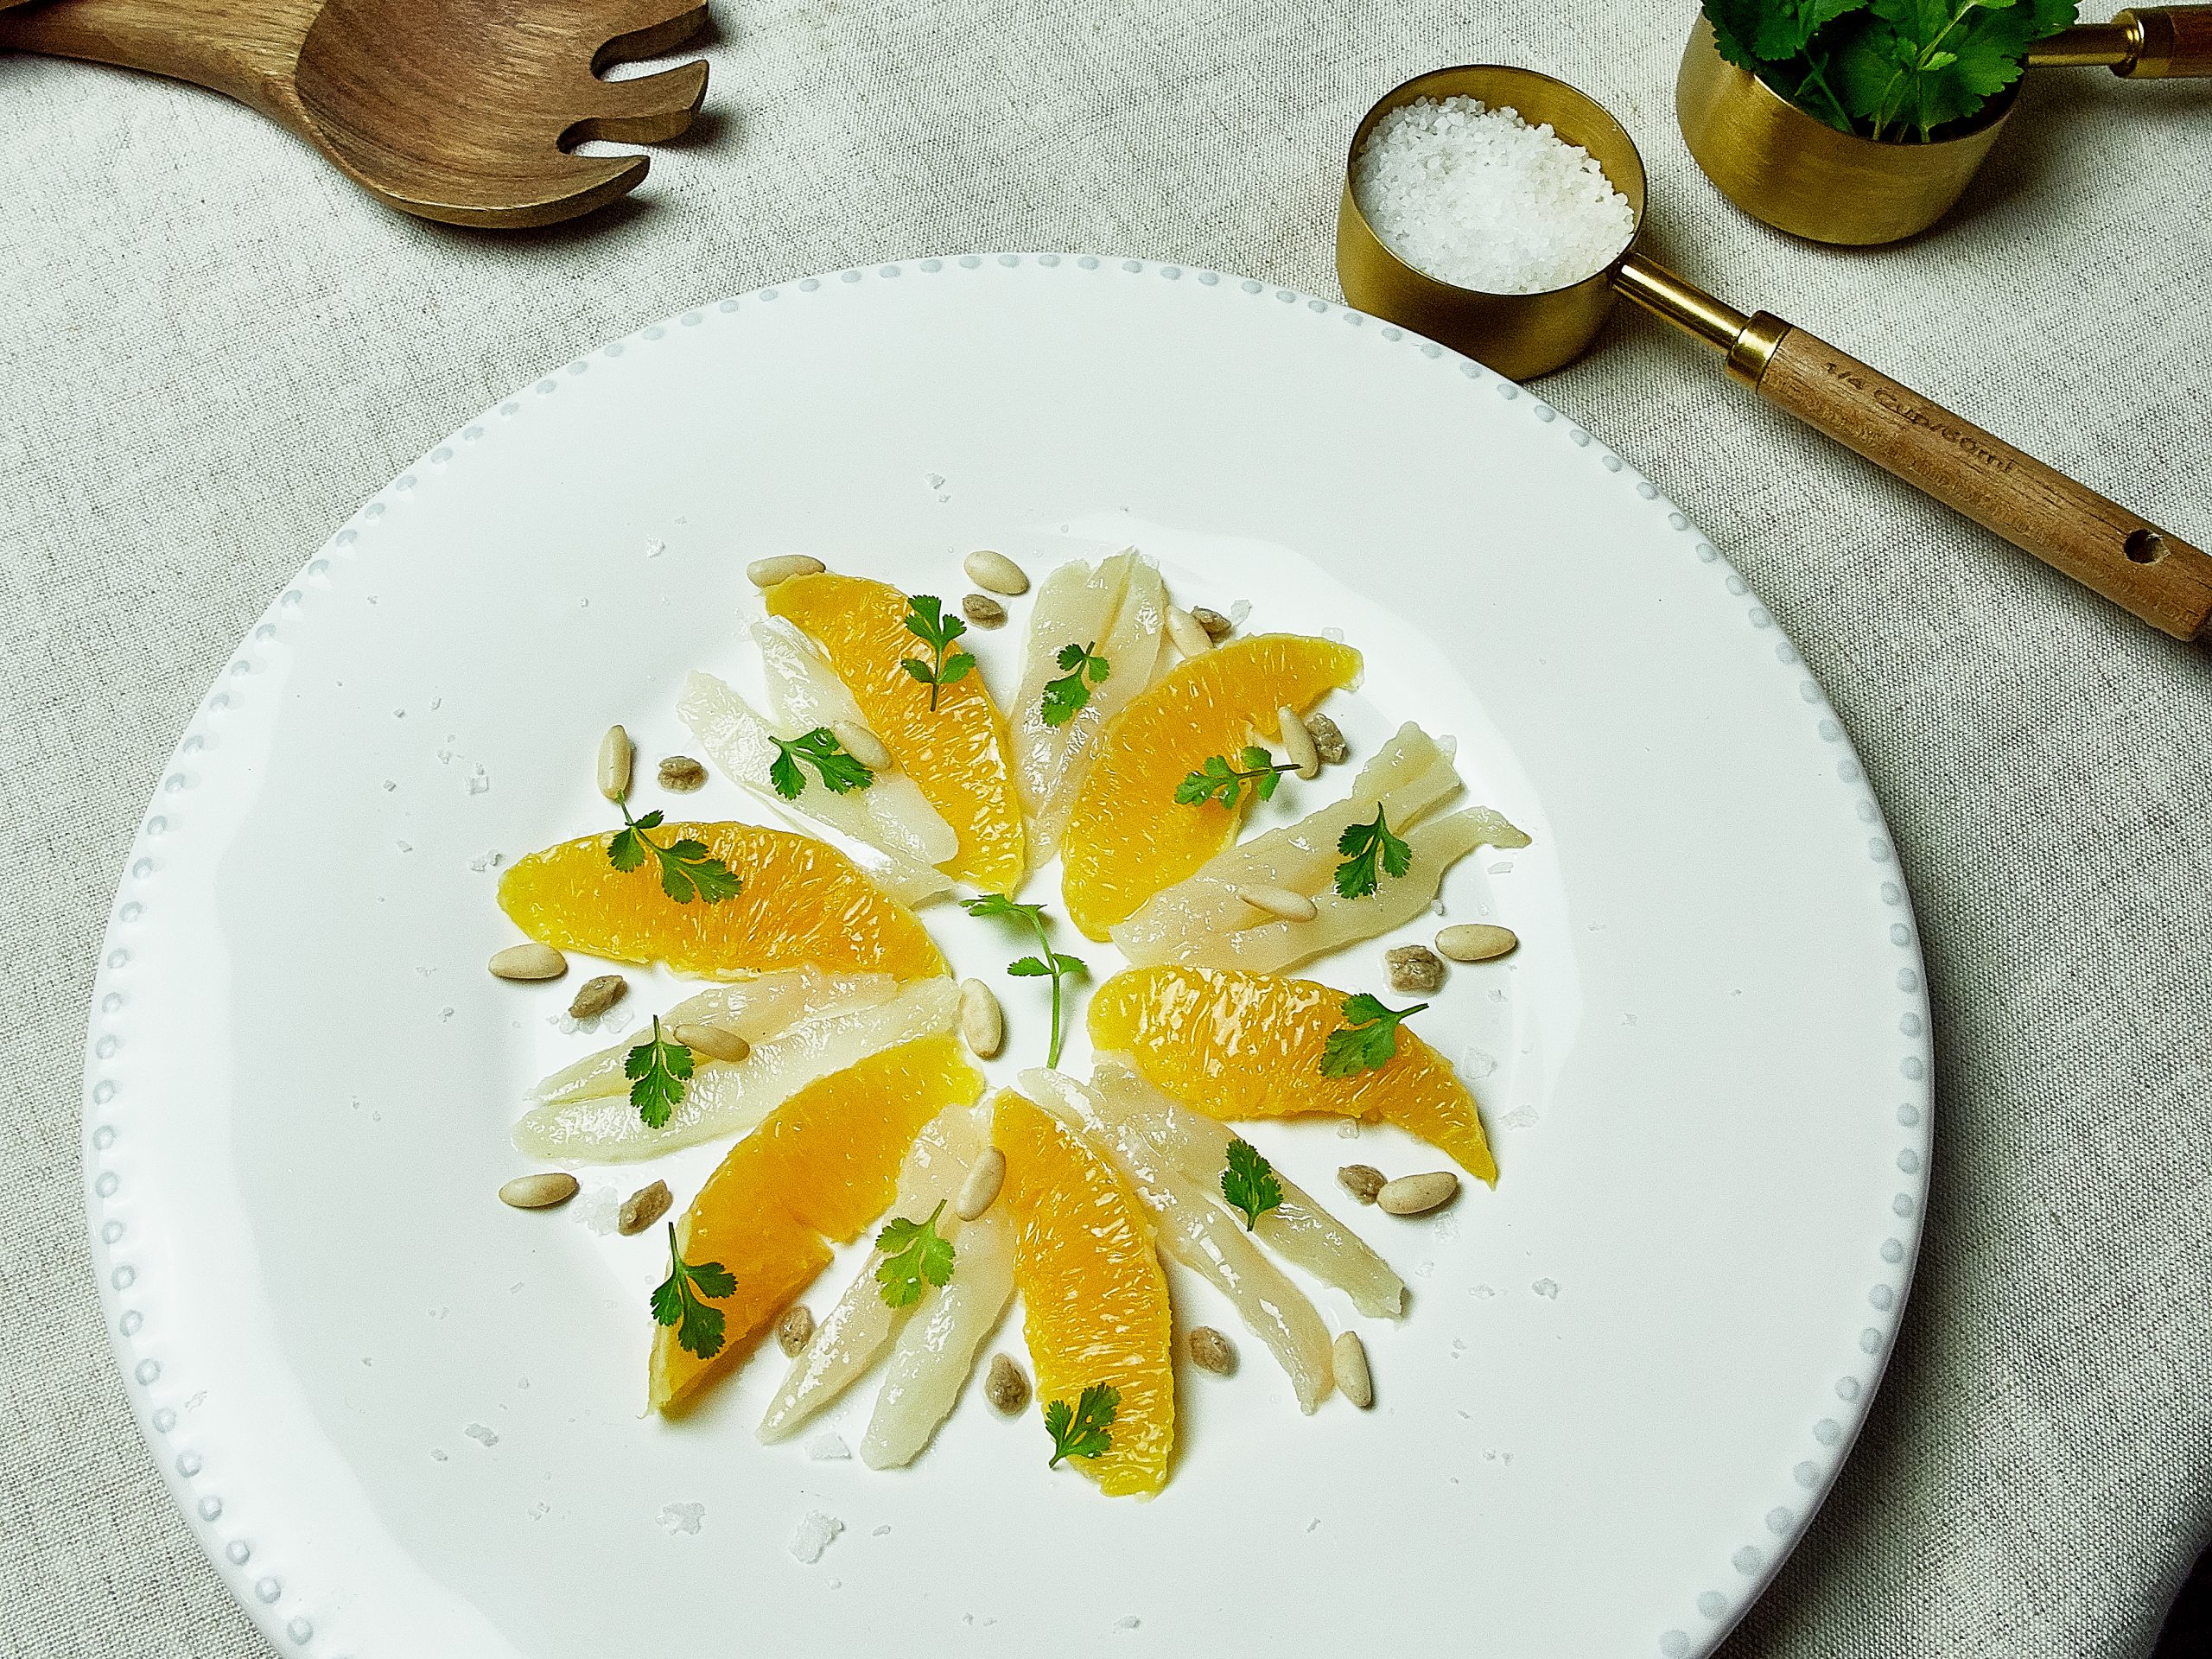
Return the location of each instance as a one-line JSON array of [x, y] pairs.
[[1800, 175], [1517, 334]]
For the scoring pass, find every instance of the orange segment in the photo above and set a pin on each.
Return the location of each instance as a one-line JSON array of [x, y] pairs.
[[803, 902], [957, 753], [826, 1161], [1127, 835], [1094, 1295], [1235, 1044]]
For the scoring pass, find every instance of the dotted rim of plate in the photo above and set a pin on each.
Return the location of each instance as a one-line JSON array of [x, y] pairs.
[[285, 1613]]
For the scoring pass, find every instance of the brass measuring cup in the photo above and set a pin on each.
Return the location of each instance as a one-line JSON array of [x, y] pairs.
[[1800, 175], [2152, 574]]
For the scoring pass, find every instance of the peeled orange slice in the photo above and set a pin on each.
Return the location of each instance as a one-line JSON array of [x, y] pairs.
[[1093, 1291], [803, 902], [1127, 837], [1236, 1044], [956, 753], [825, 1162]]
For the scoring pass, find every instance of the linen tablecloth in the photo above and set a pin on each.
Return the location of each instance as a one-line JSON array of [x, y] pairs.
[[213, 347]]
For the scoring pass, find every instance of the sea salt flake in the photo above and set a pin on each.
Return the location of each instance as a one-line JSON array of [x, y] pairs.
[[1547, 1288], [682, 1519], [655, 548], [828, 1448], [481, 1435], [815, 1534]]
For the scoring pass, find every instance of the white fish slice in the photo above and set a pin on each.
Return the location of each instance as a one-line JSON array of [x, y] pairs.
[[851, 1335], [1200, 922], [756, 1010], [1298, 1230], [1203, 1237], [730, 1098], [1117, 609], [889, 817], [936, 1350]]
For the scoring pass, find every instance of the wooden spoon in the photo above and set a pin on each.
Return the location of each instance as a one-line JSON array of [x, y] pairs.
[[463, 111]]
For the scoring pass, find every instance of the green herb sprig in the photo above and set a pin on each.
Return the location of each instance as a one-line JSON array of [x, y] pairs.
[[1900, 70], [1249, 1182], [1255, 769], [1083, 1431], [927, 622], [1367, 1041], [659, 1071], [914, 1254], [839, 771], [1371, 852], [688, 870], [1046, 962], [676, 1300], [1064, 698]]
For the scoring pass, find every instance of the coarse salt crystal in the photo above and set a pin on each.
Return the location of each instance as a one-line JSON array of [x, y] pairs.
[[816, 1533], [1478, 197]]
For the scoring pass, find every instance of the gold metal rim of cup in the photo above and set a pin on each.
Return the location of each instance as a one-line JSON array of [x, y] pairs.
[[1519, 336]]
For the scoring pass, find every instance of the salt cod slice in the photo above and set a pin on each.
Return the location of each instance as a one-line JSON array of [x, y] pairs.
[[1117, 609], [1202, 1235], [727, 1098], [1298, 1230], [897, 829], [851, 1335], [1201, 923], [936, 1348]]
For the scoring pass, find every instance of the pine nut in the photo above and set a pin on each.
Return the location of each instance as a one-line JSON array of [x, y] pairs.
[[539, 1192], [1328, 739], [642, 1208], [996, 571], [1416, 1195], [981, 1187], [795, 1330], [716, 1042], [1477, 942], [1280, 902], [615, 754], [984, 612], [1217, 625], [1414, 968], [767, 573], [1190, 638], [863, 745], [982, 1023], [598, 995], [1005, 1387], [1362, 1181], [682, 773], [530, 961], [1354, 1380], [1211, 1351], [1297, 743]]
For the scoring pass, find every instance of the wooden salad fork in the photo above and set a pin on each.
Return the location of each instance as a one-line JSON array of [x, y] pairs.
[[463, 111]]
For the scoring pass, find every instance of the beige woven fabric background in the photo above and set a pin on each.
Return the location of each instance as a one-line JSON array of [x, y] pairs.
[[213, 347]]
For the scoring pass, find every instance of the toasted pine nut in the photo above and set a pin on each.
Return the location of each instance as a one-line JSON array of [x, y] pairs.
[[530, 961], [1297, 743], [1183, 628], [861, 744], [981, 1187], [1353, 1379], [996, 571], [1476, 941], [1416, 1195], [616, 753], [716, 1042], [981, 1022]]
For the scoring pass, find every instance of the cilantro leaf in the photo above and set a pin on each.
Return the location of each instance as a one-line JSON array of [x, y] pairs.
[[914, 1253], [1066, 697], [1368, 1041], [927, 621], [676, 1300], [1217, 778], [1083, 1432], [1371, 853], [659, 1071], [839, 771], [688, 869], [1046, 962], [1249, 1183]]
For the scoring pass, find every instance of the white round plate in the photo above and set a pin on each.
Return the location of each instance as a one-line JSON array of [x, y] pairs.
[[406, 1420]]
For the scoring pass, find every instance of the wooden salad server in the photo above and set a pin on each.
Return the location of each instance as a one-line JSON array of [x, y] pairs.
[[463, 111]]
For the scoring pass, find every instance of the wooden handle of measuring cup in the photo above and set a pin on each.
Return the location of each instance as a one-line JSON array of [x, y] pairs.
[[2140, 568]]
